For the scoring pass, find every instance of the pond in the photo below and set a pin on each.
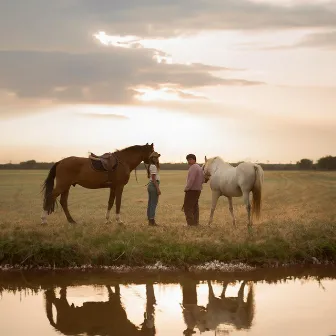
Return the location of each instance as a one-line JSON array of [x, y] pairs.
[[262, 302]]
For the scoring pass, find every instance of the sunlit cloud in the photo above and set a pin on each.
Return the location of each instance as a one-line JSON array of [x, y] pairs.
[[131, 41], [128, 41], [103, 115], [149, 94], [162, 57], [166, 94]]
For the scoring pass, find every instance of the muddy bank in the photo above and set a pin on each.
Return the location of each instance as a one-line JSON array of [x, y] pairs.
[[22, 278]]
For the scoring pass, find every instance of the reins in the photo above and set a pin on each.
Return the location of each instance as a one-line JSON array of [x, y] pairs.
[[136, 177]]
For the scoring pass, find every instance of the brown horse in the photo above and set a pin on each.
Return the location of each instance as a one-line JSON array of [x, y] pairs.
[[79, 170]]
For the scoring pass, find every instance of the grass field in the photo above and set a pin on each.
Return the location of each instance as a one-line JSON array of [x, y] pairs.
[[298, 223]]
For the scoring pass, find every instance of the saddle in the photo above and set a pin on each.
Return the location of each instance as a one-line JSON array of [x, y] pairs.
[[107, 162]]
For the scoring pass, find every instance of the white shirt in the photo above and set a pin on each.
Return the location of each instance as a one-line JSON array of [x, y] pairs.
[[153, 170]]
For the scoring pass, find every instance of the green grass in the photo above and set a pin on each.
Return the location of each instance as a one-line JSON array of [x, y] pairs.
[[298, 223]]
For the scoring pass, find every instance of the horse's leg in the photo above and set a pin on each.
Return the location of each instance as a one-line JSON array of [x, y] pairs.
[[246, 196], [231, 211], [241, 292], [215, 196], [64, 204], [118, 195], [110, 204], [44, 217], [110, 293], [211, 294], [225, 284], [117, 291]]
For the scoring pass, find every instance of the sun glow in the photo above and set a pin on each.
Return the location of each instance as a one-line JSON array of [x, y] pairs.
[[128, 41], [148, 94]]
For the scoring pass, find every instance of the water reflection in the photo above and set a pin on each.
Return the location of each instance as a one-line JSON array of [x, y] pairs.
[[230, 310], [222, 310], [98, 318], [193, 314], [110, 318], [187, 307]]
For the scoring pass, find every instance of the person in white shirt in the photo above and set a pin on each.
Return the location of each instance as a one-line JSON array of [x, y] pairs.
[[153, 187]]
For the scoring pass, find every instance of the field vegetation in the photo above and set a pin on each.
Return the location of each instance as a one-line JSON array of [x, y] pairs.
[[298, 224]]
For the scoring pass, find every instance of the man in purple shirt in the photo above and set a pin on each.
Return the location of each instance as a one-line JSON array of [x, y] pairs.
[[192, 191]]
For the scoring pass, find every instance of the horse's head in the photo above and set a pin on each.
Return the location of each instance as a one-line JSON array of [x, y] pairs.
[[147, 150], [206, 169]]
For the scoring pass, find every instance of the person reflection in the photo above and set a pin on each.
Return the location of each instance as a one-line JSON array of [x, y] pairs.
[[148, 326], [92, 318], [193, 315]]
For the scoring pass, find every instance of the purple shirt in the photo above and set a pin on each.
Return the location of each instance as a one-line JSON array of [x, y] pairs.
[[195, 178]]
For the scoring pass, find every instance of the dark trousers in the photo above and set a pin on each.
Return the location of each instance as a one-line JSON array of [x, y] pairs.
[[190, 206]]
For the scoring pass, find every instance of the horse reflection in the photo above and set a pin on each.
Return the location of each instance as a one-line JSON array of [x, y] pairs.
[[223, 310], [232, 311], [98, 318]]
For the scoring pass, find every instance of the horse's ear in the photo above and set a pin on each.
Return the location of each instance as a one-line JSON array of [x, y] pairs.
[[152, 144], [146, 144], [205, 159]]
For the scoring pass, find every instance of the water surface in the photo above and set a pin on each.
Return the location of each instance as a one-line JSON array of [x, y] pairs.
[[182, 304]]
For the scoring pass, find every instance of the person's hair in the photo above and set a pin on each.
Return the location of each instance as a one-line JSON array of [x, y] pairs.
[[156, 164], [191, 156]]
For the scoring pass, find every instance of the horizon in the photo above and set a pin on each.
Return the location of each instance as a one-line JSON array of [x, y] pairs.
[[183, 162], [256, 83]]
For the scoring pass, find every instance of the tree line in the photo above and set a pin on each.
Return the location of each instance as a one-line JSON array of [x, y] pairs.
[[324, 163]]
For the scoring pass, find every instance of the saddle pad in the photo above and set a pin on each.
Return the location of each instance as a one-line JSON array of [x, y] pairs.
[[97, 165]]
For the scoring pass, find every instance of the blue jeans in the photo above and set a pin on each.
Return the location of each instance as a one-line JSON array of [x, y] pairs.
[[153, 199]]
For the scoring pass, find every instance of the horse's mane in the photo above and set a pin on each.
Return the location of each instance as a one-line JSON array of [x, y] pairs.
[[212, 159], [130, 148], [219, 161]]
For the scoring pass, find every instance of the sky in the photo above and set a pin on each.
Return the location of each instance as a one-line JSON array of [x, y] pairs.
[[251, 80]]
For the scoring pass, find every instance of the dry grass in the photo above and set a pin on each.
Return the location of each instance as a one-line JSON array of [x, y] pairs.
[[298, 223]]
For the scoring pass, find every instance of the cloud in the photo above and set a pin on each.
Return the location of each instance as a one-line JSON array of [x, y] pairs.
[[111, 76], [322, 40], [69, 25], [103, 116]]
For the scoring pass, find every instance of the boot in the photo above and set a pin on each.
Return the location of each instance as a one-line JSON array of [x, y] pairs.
[[152, 222]]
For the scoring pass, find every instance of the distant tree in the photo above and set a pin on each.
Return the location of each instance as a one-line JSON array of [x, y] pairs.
[[30, 164], [327, 163], [305, 164]]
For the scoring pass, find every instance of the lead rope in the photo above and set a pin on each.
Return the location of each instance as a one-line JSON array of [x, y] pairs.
[[146, 172]]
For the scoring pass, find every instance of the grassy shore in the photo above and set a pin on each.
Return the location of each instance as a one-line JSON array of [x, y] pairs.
[[298, 224]]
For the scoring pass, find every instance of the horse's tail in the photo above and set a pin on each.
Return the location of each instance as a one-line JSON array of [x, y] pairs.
[[257, 191], [48, 186]]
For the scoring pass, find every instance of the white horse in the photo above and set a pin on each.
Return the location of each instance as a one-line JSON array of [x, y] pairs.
[[230, 181]]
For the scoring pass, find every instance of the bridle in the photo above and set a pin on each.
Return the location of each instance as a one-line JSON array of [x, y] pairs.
[[206, 174], [135, 171]]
